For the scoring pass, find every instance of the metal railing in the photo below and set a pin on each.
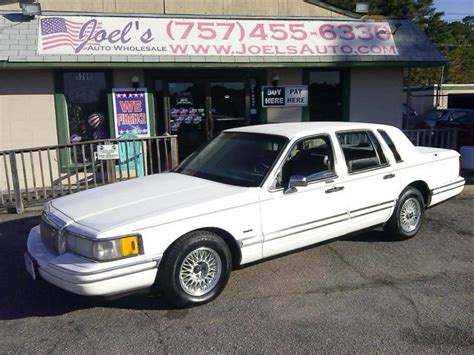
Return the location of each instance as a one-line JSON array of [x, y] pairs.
[[437, 138], [34, 175]]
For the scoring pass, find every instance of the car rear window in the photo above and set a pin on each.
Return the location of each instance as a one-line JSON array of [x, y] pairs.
[[362, 150], [391, 145]]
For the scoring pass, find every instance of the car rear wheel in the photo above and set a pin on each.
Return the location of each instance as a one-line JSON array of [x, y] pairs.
[[195, 269], [408, 215]]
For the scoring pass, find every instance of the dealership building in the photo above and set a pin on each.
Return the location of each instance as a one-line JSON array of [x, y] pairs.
[[84, 70]]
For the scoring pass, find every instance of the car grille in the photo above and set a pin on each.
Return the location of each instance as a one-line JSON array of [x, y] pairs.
[[49, 236]]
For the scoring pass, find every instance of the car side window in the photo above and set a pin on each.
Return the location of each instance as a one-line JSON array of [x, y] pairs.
[[391, 145], [457, 115], [312, 158], [362, 150]]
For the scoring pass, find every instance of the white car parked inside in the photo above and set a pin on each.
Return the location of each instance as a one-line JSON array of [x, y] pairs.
[[250, 193]]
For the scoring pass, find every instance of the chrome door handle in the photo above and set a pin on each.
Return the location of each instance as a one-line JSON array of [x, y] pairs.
[[335, 189], [389, 176]]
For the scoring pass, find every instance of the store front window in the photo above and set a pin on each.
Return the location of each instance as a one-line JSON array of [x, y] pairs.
[[187, 114], [325, 96], [86, 100]]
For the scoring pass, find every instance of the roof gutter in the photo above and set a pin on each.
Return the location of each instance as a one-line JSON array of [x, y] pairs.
[[217, 65]]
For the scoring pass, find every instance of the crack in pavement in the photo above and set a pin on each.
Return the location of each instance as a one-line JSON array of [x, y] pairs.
[[382, 280], [370, 284], [158, 332], [390, 281]]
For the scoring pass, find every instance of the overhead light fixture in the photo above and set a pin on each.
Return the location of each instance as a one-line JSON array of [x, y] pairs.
[[135, 81], [30, 8], [275, 80]]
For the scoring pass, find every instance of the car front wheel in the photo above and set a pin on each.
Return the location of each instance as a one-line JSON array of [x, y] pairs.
[[408, 215], [195, 269]]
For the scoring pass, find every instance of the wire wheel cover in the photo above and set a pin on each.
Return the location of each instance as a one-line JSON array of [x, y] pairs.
[[200, 271], [410, 214]]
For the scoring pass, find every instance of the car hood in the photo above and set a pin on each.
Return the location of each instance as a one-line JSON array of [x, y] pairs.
[[168, 196]]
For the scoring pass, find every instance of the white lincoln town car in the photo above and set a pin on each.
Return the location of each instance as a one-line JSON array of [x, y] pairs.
[[250, 193]]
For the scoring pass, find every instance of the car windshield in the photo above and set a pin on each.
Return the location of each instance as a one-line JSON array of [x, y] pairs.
[[235, 158]]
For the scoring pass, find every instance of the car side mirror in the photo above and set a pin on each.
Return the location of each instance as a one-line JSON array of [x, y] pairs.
[[295, 181]]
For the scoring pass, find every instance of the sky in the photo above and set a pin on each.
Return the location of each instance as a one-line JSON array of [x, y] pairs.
[[455, 9]]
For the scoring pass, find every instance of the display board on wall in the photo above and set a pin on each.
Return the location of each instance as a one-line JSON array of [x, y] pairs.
[[85, 35], [131, 112], [284, 96]]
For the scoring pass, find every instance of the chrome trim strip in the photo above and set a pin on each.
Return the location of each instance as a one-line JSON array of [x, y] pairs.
[[89, 273], [327, 180], [377, 205], [305, 230], [462, 182], [100, 280], [256, 241], [453, 188], [244, 239], [327, 224], [250, 244], [53, 221], [352, 173], [365, 214], [305, 224]]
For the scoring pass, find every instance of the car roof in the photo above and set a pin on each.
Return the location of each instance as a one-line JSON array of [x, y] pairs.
[[450, 110], [301, 129]]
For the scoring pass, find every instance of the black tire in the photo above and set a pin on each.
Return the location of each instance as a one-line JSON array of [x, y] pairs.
[[395, 227], [177, 290]]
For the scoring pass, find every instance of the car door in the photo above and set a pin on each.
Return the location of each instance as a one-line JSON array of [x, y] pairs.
[[371, 183], [294, 218]]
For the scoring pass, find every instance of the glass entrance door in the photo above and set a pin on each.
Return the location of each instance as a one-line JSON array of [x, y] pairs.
[[325, 96], [200, 109], [228, 106], [187, 115], [197, 106]]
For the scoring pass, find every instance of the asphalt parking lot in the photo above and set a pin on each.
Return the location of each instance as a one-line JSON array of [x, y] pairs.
[[360, 294]]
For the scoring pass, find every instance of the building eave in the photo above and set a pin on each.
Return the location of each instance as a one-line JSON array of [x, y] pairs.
[[334, 8], [217, 65]]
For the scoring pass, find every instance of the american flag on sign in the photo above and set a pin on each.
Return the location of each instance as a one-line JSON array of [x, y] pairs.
[[57, 32]]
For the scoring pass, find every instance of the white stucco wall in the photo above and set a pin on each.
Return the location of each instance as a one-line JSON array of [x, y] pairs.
[[27, 120], [27, 113], [287, 77], [377, 95]]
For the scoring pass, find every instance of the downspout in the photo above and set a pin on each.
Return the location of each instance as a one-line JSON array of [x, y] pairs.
[[408, 103], [439, 88]]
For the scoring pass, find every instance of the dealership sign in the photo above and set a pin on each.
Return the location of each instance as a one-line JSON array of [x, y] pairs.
[[81, 35], [131, 112], [284, 96]]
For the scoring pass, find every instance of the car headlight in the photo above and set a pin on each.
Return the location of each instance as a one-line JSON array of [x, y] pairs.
[[104, 250]]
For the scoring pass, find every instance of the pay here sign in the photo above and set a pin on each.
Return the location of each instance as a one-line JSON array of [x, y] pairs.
[[284, 96]]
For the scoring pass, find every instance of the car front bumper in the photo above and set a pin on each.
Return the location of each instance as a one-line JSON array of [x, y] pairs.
[[90, 278]]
